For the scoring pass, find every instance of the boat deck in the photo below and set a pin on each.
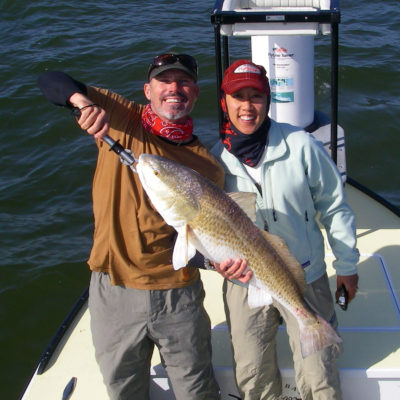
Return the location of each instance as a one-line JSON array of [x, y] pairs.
[[369, 366]]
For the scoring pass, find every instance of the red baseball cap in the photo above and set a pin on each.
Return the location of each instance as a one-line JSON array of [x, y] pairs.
[[244, 73]]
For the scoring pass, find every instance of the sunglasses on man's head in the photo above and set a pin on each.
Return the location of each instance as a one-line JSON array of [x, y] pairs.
[[167, 59]]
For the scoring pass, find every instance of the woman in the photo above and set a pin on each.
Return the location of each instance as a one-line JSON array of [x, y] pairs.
[[294, 179]]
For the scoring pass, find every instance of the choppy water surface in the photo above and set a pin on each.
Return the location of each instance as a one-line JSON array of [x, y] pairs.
[[46, 163]]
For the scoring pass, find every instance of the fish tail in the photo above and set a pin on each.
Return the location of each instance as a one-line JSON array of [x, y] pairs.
[[316, 336]]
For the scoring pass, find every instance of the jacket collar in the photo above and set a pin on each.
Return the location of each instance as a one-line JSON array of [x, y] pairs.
[[276, 149], [277, 146]]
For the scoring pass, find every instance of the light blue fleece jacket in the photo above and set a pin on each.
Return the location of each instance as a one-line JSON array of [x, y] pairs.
[[299, 182]]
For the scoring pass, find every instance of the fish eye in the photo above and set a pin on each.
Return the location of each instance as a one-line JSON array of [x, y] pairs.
[[156, 173]]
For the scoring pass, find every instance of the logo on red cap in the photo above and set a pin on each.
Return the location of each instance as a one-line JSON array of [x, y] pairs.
[[247, 68]]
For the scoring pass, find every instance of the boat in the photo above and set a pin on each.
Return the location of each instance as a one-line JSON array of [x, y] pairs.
[[370, 364]]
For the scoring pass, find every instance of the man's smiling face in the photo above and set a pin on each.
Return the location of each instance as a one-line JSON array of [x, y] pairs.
[[172, 95]]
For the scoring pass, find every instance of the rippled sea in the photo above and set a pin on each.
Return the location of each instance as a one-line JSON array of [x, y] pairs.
[[46, 163]]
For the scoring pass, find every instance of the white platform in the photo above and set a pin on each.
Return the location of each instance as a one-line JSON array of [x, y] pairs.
[[369, 367]]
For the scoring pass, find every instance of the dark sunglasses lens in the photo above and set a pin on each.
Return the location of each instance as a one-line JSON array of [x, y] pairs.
[[184, 59], [164, 59], [188, 61]]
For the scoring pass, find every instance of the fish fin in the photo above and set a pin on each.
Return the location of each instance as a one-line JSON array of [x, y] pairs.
[[246, 201], [316, 336], [257, 296], [290, 260], [183, 249]]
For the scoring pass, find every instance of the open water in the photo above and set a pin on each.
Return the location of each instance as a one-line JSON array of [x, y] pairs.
[[46, 163]]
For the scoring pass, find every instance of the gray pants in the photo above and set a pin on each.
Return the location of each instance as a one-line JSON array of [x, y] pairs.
[[253, 333], [126, 324]]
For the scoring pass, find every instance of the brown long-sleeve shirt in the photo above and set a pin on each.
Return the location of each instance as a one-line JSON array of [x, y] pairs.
[[131, 240]]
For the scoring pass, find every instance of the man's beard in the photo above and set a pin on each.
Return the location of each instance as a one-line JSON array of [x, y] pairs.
[[179, 111], [176, 114]]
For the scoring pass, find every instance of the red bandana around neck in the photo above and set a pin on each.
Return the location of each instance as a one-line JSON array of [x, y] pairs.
[[168, 130]]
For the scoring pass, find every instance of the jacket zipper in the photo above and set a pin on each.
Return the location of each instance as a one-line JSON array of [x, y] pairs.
[[271, 195]]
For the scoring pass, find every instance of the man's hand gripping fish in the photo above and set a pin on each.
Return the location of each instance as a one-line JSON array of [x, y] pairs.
[[208, 220]]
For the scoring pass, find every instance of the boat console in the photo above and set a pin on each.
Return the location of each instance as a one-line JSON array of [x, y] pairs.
[[282, 34]]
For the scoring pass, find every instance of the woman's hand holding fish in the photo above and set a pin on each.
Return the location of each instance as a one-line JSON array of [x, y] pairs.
[[351, 284], [234, 269]]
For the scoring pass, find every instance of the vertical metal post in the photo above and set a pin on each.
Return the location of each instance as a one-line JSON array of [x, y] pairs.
[[334, 88], [225, 47], [218, 67]]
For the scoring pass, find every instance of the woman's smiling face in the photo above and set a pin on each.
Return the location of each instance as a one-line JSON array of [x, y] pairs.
[[247, 109]]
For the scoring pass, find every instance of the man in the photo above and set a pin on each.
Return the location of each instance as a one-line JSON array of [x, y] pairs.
[[136, 299], [294, 180]]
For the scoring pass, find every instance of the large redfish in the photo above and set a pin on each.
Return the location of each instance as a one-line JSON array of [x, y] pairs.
[[208, 220]]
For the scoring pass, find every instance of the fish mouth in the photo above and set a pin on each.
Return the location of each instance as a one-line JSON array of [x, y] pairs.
[[145, 160], [147, 171], [150, 161]]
